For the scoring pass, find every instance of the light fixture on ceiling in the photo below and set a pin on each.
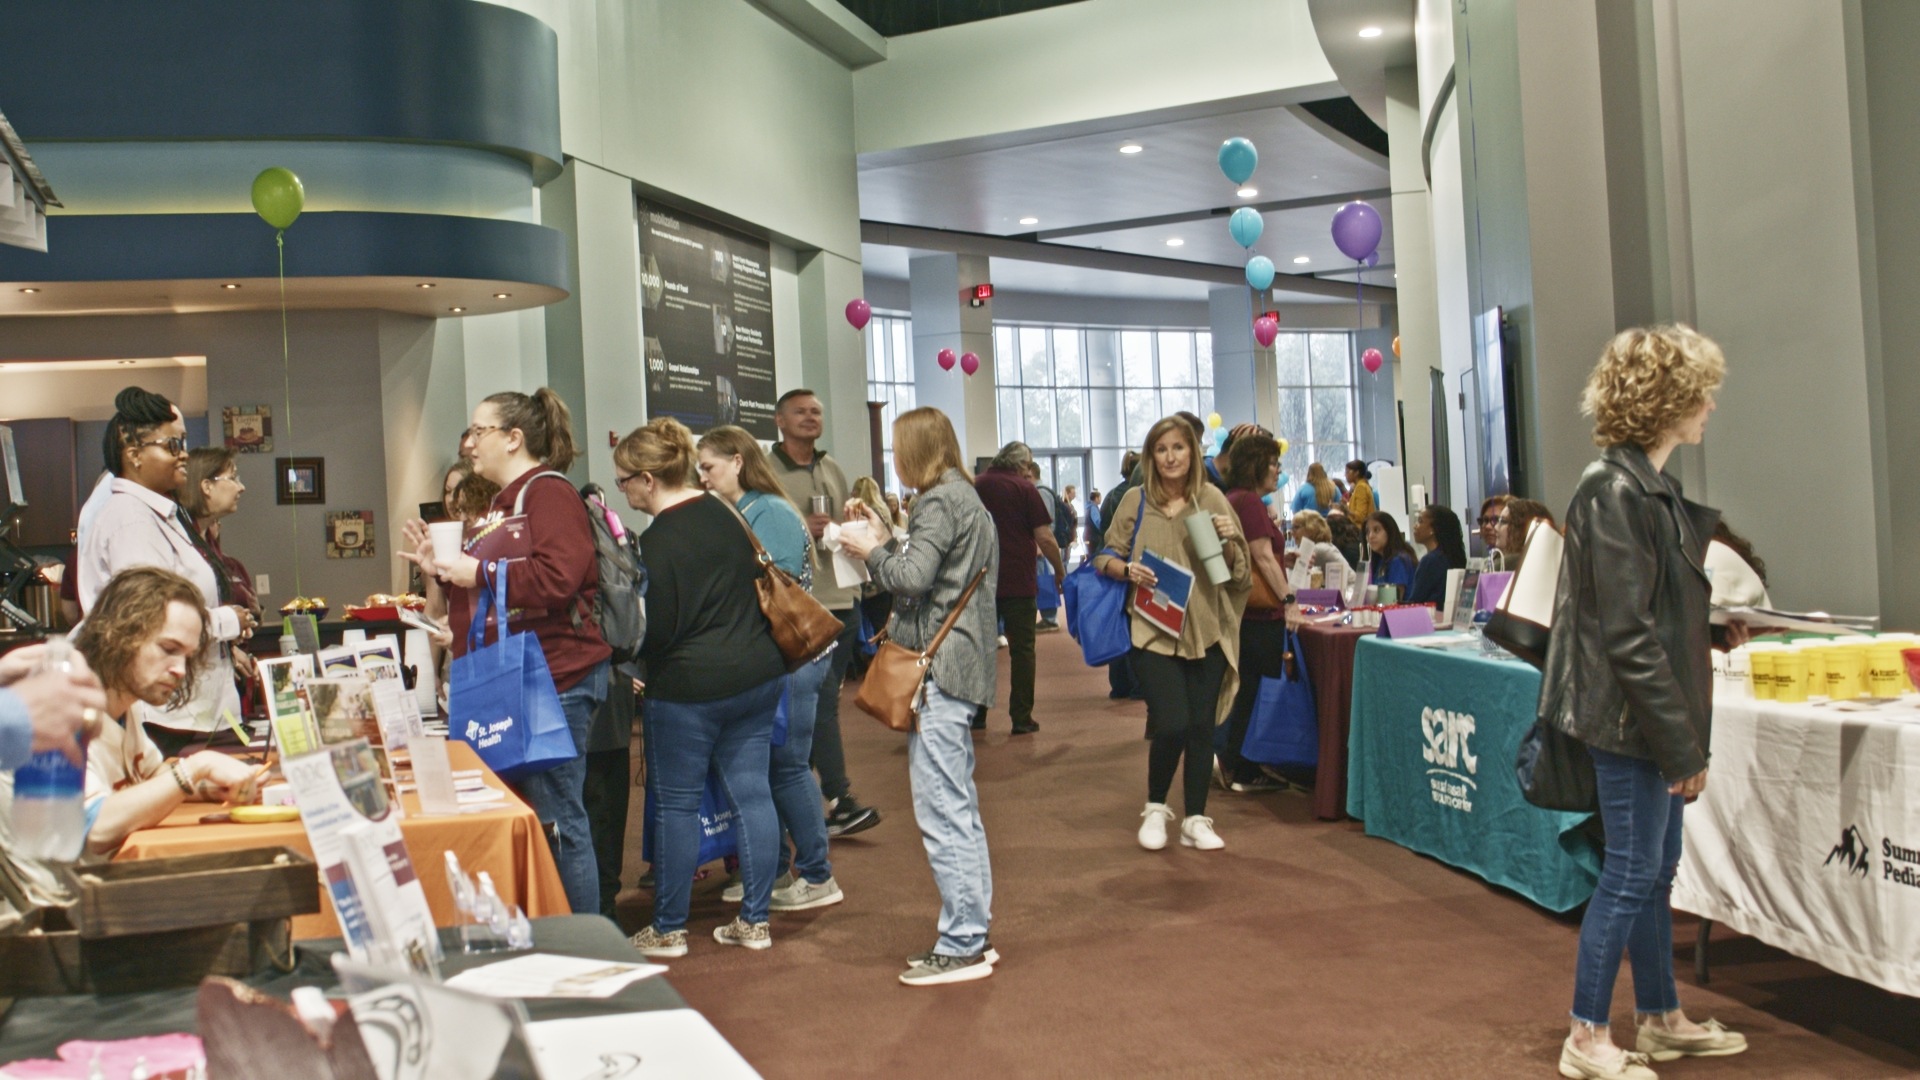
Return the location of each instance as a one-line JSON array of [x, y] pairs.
[[456, 310], [128, 363], [1131, 148], [1247, 192], [501, 295], [1029, 221], [230, 285], [1174, 241], [1371, 31], [29, 292], [1301, 260], [424, 285]]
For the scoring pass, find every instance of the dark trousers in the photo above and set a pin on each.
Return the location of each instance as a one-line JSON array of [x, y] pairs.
[[829, 756], [607, 794], [1182, 699], [1263, 651], [1017, 614], [1120, 678]]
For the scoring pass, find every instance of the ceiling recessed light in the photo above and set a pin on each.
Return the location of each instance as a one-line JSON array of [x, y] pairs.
[[1175, 241], [1371, 31], [1131, 148], [456, 310], [424, 285], [1301, 260], [128, 363], [501, 295], [29, 291], [230, 285], [1247, 192], [1029, 221]]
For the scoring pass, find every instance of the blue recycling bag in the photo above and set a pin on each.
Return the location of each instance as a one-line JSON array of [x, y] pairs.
[[1097, 607], [717, 820], [501, 699], [1285, 727]]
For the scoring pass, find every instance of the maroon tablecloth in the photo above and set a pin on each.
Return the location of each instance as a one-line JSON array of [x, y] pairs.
[[1328, 651]]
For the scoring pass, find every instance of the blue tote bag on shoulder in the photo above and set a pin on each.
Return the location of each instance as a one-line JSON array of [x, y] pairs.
[[501, 700], [1097, 607], [1284, 728]]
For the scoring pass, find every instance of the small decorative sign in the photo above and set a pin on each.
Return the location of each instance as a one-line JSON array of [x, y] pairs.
[[299, 480], [350, 534], [249, 428]]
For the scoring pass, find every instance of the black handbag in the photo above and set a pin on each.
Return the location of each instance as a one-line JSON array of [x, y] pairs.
[[1522, 622], [1556, 772]]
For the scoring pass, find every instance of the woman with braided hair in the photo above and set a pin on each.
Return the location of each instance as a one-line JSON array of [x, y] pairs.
[[140, 524]]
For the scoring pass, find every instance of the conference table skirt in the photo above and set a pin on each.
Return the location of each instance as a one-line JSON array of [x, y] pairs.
[[506, 842], [1328, 653]]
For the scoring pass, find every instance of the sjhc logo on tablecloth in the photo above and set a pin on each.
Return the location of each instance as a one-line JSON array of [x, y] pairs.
[[1447, 734], [1854, 855]]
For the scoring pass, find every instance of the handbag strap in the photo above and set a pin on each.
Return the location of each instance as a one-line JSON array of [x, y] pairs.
[[759, 553], [954, 615]]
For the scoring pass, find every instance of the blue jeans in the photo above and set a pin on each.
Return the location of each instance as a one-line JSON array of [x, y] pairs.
[[557, 796], [796, 794], [947, 806], [1631, 909], [686, 740]]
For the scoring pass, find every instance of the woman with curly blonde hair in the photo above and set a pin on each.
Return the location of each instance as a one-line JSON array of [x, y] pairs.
[[1627, 673]]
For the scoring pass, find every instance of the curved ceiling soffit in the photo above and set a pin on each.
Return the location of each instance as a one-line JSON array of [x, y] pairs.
[[1361, 63]]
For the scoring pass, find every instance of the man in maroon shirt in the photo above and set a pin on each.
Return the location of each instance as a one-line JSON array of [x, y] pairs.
[[1026, 534]]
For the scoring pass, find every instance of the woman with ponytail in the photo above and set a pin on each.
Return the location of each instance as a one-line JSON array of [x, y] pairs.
[[525, 444], [140, 524]]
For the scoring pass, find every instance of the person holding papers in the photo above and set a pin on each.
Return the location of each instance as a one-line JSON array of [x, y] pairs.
[[1186, 628]]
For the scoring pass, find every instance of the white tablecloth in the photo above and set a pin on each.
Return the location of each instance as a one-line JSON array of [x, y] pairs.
[[1808, 835]]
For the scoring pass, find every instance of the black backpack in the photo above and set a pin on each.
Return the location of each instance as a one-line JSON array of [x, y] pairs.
[[619, 610]]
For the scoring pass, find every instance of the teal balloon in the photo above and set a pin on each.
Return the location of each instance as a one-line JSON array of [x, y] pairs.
[[278, 197], [1237, 159], [1246, 225], [1260, 272]]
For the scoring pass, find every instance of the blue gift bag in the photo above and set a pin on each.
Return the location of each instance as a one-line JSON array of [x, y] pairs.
[[1284, 728], [1048, 598], [717, 819], [1097, 607], [501, 700]]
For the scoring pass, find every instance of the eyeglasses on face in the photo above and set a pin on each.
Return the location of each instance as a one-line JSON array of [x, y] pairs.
[[1489, 520], [232, 478], [175, 446], [473, 433], [621, 482]]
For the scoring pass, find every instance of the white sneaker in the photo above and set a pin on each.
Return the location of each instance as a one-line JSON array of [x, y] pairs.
[[803, 895], [1003, 641], [1196, 831], [1153, 830], [736, 889]]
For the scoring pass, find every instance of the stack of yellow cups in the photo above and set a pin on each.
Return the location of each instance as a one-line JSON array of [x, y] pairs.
[[1790, 675]]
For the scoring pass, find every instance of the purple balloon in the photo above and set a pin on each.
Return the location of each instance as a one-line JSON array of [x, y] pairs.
[[1356, 230], [1373, 258]]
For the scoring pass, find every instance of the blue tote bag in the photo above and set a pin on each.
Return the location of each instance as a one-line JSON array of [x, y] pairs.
[[1284, 728], [717, 819], [1097, 606], [501, 700]]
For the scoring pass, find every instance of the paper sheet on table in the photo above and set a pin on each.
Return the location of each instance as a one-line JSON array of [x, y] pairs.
[[543, 975], [847, 570], [1813, 622], [643, 1046]]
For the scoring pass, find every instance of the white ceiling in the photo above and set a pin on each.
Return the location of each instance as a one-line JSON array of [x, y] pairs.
[[197, 296], [1013, 275]]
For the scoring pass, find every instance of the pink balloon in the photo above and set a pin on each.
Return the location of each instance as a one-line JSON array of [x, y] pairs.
[[858, 312], [1265, 329], [946, 359], [969, 363], [1371, 360]]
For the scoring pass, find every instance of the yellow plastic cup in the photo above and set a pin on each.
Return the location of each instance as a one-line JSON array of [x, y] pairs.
[[1760, 672], [1885, 675], [1846, 673], [1816, 670], [1790, 676]]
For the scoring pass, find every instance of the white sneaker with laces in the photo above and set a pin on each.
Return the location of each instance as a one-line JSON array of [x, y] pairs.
[[1153, 829], [1196, 831]]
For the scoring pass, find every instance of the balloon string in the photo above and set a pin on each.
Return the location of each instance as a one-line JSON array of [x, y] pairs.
[[286, 383]]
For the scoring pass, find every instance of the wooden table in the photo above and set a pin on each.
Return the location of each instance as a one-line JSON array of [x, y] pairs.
[[1328, 651], [506, 842]]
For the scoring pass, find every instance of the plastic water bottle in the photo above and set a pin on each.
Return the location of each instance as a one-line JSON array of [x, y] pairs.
[[49, 792]]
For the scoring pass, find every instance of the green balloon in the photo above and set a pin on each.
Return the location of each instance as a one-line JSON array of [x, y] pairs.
[[278, 197]]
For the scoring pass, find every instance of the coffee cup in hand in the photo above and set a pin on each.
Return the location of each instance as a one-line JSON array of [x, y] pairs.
[[446, 537]]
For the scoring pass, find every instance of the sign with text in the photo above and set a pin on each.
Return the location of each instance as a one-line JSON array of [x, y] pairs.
[[706, 302]]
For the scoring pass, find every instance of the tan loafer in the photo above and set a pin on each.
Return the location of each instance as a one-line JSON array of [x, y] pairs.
[[1575, 1065], [1714, 1041]]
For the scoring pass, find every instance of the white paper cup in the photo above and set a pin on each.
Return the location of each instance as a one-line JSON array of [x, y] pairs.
[[446, 537]]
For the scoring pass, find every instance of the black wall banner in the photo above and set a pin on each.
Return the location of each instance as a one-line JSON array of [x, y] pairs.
[[707, 313]]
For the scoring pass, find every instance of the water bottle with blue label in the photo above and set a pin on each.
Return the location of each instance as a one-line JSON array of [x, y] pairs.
[[49, 791]]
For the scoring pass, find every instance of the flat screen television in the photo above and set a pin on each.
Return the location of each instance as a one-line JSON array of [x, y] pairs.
[[1499, 435]]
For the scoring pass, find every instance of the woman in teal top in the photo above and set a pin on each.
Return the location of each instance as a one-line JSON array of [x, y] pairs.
[[733, 466], [1316, 492]]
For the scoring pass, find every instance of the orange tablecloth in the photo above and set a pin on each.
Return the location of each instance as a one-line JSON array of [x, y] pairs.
[[506, 842]]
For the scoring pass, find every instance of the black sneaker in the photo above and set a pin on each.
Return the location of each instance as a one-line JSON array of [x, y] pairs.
[[1025, 727], [940, 968], [848, 817]]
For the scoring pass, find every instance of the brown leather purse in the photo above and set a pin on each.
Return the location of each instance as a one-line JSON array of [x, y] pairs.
[[802, 627], [894, 687]]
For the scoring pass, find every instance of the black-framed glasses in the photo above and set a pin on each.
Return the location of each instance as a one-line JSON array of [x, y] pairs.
[[621, 482], [1485, 521], [175, 445]]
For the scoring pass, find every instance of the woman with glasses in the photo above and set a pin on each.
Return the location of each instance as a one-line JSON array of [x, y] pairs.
[[1489, 522], [212, 493], [140, 524], [524, 443], [1510, 530]]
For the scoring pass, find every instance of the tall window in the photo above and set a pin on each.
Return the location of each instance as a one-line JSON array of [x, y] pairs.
[[1316, 402], [890, 379], [1083, 396]]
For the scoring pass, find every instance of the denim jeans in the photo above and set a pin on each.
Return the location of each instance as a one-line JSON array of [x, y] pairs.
[[828, 755], [947, 805], [1631, 909], [558, 796], [686, 741], [796, 794]]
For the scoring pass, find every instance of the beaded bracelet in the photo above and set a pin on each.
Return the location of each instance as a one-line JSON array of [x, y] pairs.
[[180, 778]]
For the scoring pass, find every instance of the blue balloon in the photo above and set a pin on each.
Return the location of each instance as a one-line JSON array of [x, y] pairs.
[[1260, 272], [1237, 159], [1246, 225]]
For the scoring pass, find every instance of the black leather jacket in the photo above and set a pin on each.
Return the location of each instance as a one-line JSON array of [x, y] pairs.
[[1627, 667]]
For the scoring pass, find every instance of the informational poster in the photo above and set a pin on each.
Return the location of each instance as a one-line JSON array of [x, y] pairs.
[[707, 314]]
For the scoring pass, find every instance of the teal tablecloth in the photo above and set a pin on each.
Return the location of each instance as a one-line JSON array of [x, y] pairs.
[[1430, 767]]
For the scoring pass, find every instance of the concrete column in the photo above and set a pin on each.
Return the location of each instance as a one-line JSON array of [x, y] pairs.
[[595, 358], [1237, 389], [1418, 310], [942, 320], [833, 357]]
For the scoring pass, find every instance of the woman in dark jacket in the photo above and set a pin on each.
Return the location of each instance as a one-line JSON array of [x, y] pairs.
[[1438, 530], [1627, 673]]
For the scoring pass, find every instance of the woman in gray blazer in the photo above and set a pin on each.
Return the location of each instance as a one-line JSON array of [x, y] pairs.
[[950, 537]]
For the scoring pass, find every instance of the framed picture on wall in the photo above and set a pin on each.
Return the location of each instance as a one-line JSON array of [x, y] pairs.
[[299, 480], [249, 428], [350, 534]]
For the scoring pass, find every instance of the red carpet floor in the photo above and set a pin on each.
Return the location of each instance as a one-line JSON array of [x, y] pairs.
[[1305, 949]]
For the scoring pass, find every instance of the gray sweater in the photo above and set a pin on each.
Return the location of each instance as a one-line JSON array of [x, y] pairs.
[[950, 536]]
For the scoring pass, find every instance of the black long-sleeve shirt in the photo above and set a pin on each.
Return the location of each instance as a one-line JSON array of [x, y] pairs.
[[706, 638]]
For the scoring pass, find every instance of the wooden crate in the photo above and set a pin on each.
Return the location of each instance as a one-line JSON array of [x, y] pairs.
[[219, 888]]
